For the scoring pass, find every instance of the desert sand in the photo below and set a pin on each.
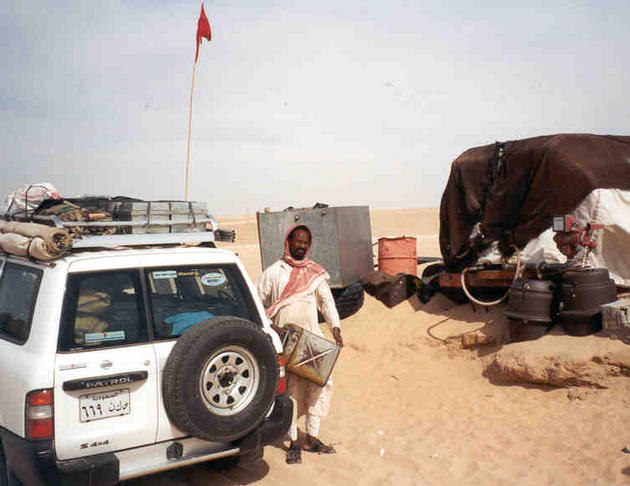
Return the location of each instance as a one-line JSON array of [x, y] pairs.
[[413, 407]]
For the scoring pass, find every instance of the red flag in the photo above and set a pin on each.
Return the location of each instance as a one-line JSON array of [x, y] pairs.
[[203, 30]]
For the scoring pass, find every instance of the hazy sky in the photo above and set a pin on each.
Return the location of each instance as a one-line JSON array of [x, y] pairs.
[[296, 102]]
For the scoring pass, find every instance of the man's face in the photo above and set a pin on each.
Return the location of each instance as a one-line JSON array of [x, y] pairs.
[[299, 242]]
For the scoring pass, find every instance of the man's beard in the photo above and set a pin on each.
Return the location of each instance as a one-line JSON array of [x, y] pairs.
[[298, 256]]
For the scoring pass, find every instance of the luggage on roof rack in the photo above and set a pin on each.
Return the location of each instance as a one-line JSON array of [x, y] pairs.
[[136, 216], [107, 222], [121, 215]]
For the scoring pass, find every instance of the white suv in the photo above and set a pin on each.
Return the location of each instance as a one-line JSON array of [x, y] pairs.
[[118, 363]]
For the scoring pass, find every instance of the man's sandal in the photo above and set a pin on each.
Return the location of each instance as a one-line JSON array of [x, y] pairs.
[[294, 455], [319, 447]]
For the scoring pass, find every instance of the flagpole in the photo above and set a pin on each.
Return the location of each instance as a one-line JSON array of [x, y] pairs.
[[203, 32], [192, 88]]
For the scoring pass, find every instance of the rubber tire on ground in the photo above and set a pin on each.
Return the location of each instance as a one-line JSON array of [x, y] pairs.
[[425, 292], [185, 404], [7, 477], [348, 300], [430, 283], [433, 269]]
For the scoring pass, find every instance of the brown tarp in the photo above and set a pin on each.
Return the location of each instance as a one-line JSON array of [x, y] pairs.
[[514, 188]]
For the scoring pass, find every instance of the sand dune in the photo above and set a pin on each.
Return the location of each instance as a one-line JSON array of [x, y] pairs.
[[412, 407]]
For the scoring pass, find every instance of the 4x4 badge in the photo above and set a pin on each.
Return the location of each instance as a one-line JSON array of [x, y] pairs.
[[95, 443]]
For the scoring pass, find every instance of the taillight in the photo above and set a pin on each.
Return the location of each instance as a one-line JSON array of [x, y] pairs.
[[39, 414], [282, 376]]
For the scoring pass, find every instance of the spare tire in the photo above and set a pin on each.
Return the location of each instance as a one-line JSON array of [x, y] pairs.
[[220, 379], [349, 299]]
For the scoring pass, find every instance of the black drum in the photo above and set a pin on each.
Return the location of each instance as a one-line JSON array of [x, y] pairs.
[[582, 293], [530, 300]]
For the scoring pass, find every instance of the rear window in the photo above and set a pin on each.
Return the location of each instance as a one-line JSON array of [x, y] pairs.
[[181, 297], [102, 309], [18, 290]]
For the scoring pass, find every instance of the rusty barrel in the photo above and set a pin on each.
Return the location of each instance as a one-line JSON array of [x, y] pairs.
[[398, 255]]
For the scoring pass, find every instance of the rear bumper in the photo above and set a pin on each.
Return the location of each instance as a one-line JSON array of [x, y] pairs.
[[35, 464], [272, 429]]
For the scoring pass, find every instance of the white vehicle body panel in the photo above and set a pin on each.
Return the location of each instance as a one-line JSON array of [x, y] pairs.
[[74, 438], [146, 427], [32, 363], [151, 459]]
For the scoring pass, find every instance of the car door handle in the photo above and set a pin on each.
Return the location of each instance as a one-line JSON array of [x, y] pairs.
[[72, 366], [106, 364]]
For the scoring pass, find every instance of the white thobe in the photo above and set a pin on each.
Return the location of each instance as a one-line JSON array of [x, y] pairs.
[[312, 399]]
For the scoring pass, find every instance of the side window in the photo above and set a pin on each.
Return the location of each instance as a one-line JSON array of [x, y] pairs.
[[184, 296], [102, 309], [18, 291]]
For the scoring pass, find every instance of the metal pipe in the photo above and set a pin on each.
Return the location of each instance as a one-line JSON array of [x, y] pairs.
[[422, 260]]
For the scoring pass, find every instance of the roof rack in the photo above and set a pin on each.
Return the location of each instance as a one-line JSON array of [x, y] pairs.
[[146, 239], [137, 223], [154, 235], [147, 223]]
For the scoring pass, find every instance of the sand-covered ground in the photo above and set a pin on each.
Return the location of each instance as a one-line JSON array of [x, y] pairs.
[[413, 407]]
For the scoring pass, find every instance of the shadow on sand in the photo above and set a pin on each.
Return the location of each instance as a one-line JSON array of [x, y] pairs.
[[482, 330], [202, 474]]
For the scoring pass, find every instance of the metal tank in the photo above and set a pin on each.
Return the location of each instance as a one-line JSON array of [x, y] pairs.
[[342, 239]]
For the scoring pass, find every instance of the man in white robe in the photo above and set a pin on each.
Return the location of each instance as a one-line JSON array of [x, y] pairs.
[[292, 290]]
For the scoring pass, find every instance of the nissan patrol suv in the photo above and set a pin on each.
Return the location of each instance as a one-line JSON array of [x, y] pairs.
[[120, 361]]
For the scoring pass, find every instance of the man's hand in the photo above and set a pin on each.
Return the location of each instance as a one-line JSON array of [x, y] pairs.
[[336, 332]]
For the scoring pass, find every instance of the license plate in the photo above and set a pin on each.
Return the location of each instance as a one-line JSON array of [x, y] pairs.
[[104, 405]]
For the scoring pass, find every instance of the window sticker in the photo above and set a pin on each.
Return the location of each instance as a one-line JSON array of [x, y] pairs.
[[164, 274], [94, 337], [213, 279]]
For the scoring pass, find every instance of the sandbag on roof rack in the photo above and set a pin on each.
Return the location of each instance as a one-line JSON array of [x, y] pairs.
[[28, 197], [34, 240]]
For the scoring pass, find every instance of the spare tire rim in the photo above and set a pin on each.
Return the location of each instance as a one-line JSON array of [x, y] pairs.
[[229, 380]]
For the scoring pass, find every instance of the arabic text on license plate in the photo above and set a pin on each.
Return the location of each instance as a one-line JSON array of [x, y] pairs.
[[104, 405]]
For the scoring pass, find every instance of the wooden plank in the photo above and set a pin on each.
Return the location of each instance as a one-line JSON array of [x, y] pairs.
[[482, 278]]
